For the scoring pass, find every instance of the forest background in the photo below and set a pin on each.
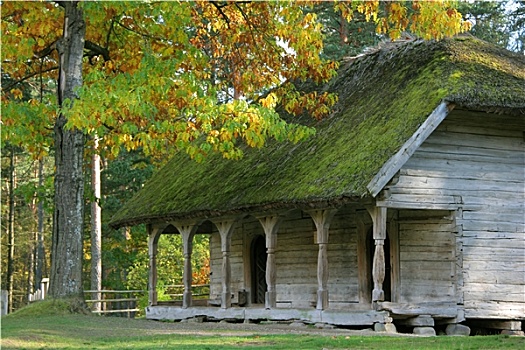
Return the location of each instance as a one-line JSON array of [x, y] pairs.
[[28, 164]]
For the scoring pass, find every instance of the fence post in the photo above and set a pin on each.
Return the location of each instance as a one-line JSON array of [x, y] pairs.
[[44, 284], [4, 302]]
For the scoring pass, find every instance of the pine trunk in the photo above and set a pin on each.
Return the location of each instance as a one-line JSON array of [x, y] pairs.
[[11, 231], [39, 253], [66, 263]]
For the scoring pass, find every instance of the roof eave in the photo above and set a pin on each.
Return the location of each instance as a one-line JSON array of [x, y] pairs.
[[316, 203]]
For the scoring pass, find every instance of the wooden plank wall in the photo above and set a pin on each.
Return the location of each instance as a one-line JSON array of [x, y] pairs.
[[476, 162], [427, 256], [296, 260]]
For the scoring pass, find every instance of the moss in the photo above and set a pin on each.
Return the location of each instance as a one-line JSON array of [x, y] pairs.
[[50, 307], [383, 98]]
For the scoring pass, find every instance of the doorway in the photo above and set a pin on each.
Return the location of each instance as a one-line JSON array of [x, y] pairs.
[[387, 283], [258, 254]]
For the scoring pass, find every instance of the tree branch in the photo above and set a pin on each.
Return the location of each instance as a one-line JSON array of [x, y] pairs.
[[16, 82], [47, 50], [95, 50], [221, 12]]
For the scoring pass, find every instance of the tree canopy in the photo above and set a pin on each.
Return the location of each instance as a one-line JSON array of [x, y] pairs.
[[200, 76]]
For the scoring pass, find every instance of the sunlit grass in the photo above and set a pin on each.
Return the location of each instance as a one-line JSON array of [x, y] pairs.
[[52, 326]]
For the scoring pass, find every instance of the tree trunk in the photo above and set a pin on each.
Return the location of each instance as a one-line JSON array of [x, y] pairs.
[[66, 263], [96, 228], [39, 253], [11, 230]]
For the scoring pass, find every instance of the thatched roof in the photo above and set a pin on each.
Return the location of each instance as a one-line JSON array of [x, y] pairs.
[[384, 97]]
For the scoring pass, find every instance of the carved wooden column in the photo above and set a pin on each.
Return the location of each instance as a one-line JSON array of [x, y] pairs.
[[225, 228], [187, 232], [322, 219], [270, 225], [378, 267], [153, 240]]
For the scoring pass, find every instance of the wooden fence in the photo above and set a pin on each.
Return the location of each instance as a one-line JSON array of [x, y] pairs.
[[123, 303]]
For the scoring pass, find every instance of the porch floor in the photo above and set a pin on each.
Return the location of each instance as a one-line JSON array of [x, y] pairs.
[[254, 313]]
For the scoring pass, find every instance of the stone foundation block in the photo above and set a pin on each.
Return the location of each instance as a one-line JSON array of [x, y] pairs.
[[457, 329], [385, 327], [427, 331], [514, 333]]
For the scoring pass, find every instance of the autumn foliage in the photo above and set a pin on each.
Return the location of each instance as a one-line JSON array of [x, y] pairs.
[[200, 76]]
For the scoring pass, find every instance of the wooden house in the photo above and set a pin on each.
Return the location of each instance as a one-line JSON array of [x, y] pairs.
[[405, 209]]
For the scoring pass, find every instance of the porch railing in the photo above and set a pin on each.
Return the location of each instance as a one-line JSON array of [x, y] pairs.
[[176, 291]]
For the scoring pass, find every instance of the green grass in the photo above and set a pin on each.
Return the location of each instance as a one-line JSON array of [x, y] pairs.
[[50, 325]]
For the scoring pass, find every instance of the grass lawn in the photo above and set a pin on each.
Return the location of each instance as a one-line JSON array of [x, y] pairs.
[[47, 325]]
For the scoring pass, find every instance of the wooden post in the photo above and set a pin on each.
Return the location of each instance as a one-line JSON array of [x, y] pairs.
[[270, 225], [187, 232], [322, 219], [153, 240], [225, 228], [378, 215]]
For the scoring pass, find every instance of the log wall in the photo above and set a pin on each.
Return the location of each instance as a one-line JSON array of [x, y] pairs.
[[426, 256], [474, 164], [296, 260]]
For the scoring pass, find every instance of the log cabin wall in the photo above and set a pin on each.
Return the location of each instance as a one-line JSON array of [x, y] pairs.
[[474, 163], [427, 250], [296, 260]]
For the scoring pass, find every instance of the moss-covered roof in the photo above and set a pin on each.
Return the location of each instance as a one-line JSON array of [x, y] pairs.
[[384, 97]]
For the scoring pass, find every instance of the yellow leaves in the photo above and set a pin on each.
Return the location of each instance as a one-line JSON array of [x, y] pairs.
[[17, 93], [269, 101], [434, 19], [369, 9]]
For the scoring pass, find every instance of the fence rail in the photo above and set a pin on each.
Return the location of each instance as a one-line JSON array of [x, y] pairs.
[[108, 301], [123, 302], [176, 291]]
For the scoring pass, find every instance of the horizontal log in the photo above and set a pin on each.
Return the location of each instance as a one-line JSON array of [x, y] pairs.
[[494, 242], [494, 265], [418, 321], [498, 310], [457, 184], [114, 311], [492, 277], [480, 141], [469, 195], [506, 254], [494, 296], [110, 300], [437, 310]]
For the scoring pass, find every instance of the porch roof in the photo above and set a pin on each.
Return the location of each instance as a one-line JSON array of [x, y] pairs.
[[384, 97]]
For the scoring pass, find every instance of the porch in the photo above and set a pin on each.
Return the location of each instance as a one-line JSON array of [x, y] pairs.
[[256, 313]]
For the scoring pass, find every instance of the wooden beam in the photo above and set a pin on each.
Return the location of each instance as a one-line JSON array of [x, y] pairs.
[[270, 225], [322, 219], [225, 228], [392, 166]]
